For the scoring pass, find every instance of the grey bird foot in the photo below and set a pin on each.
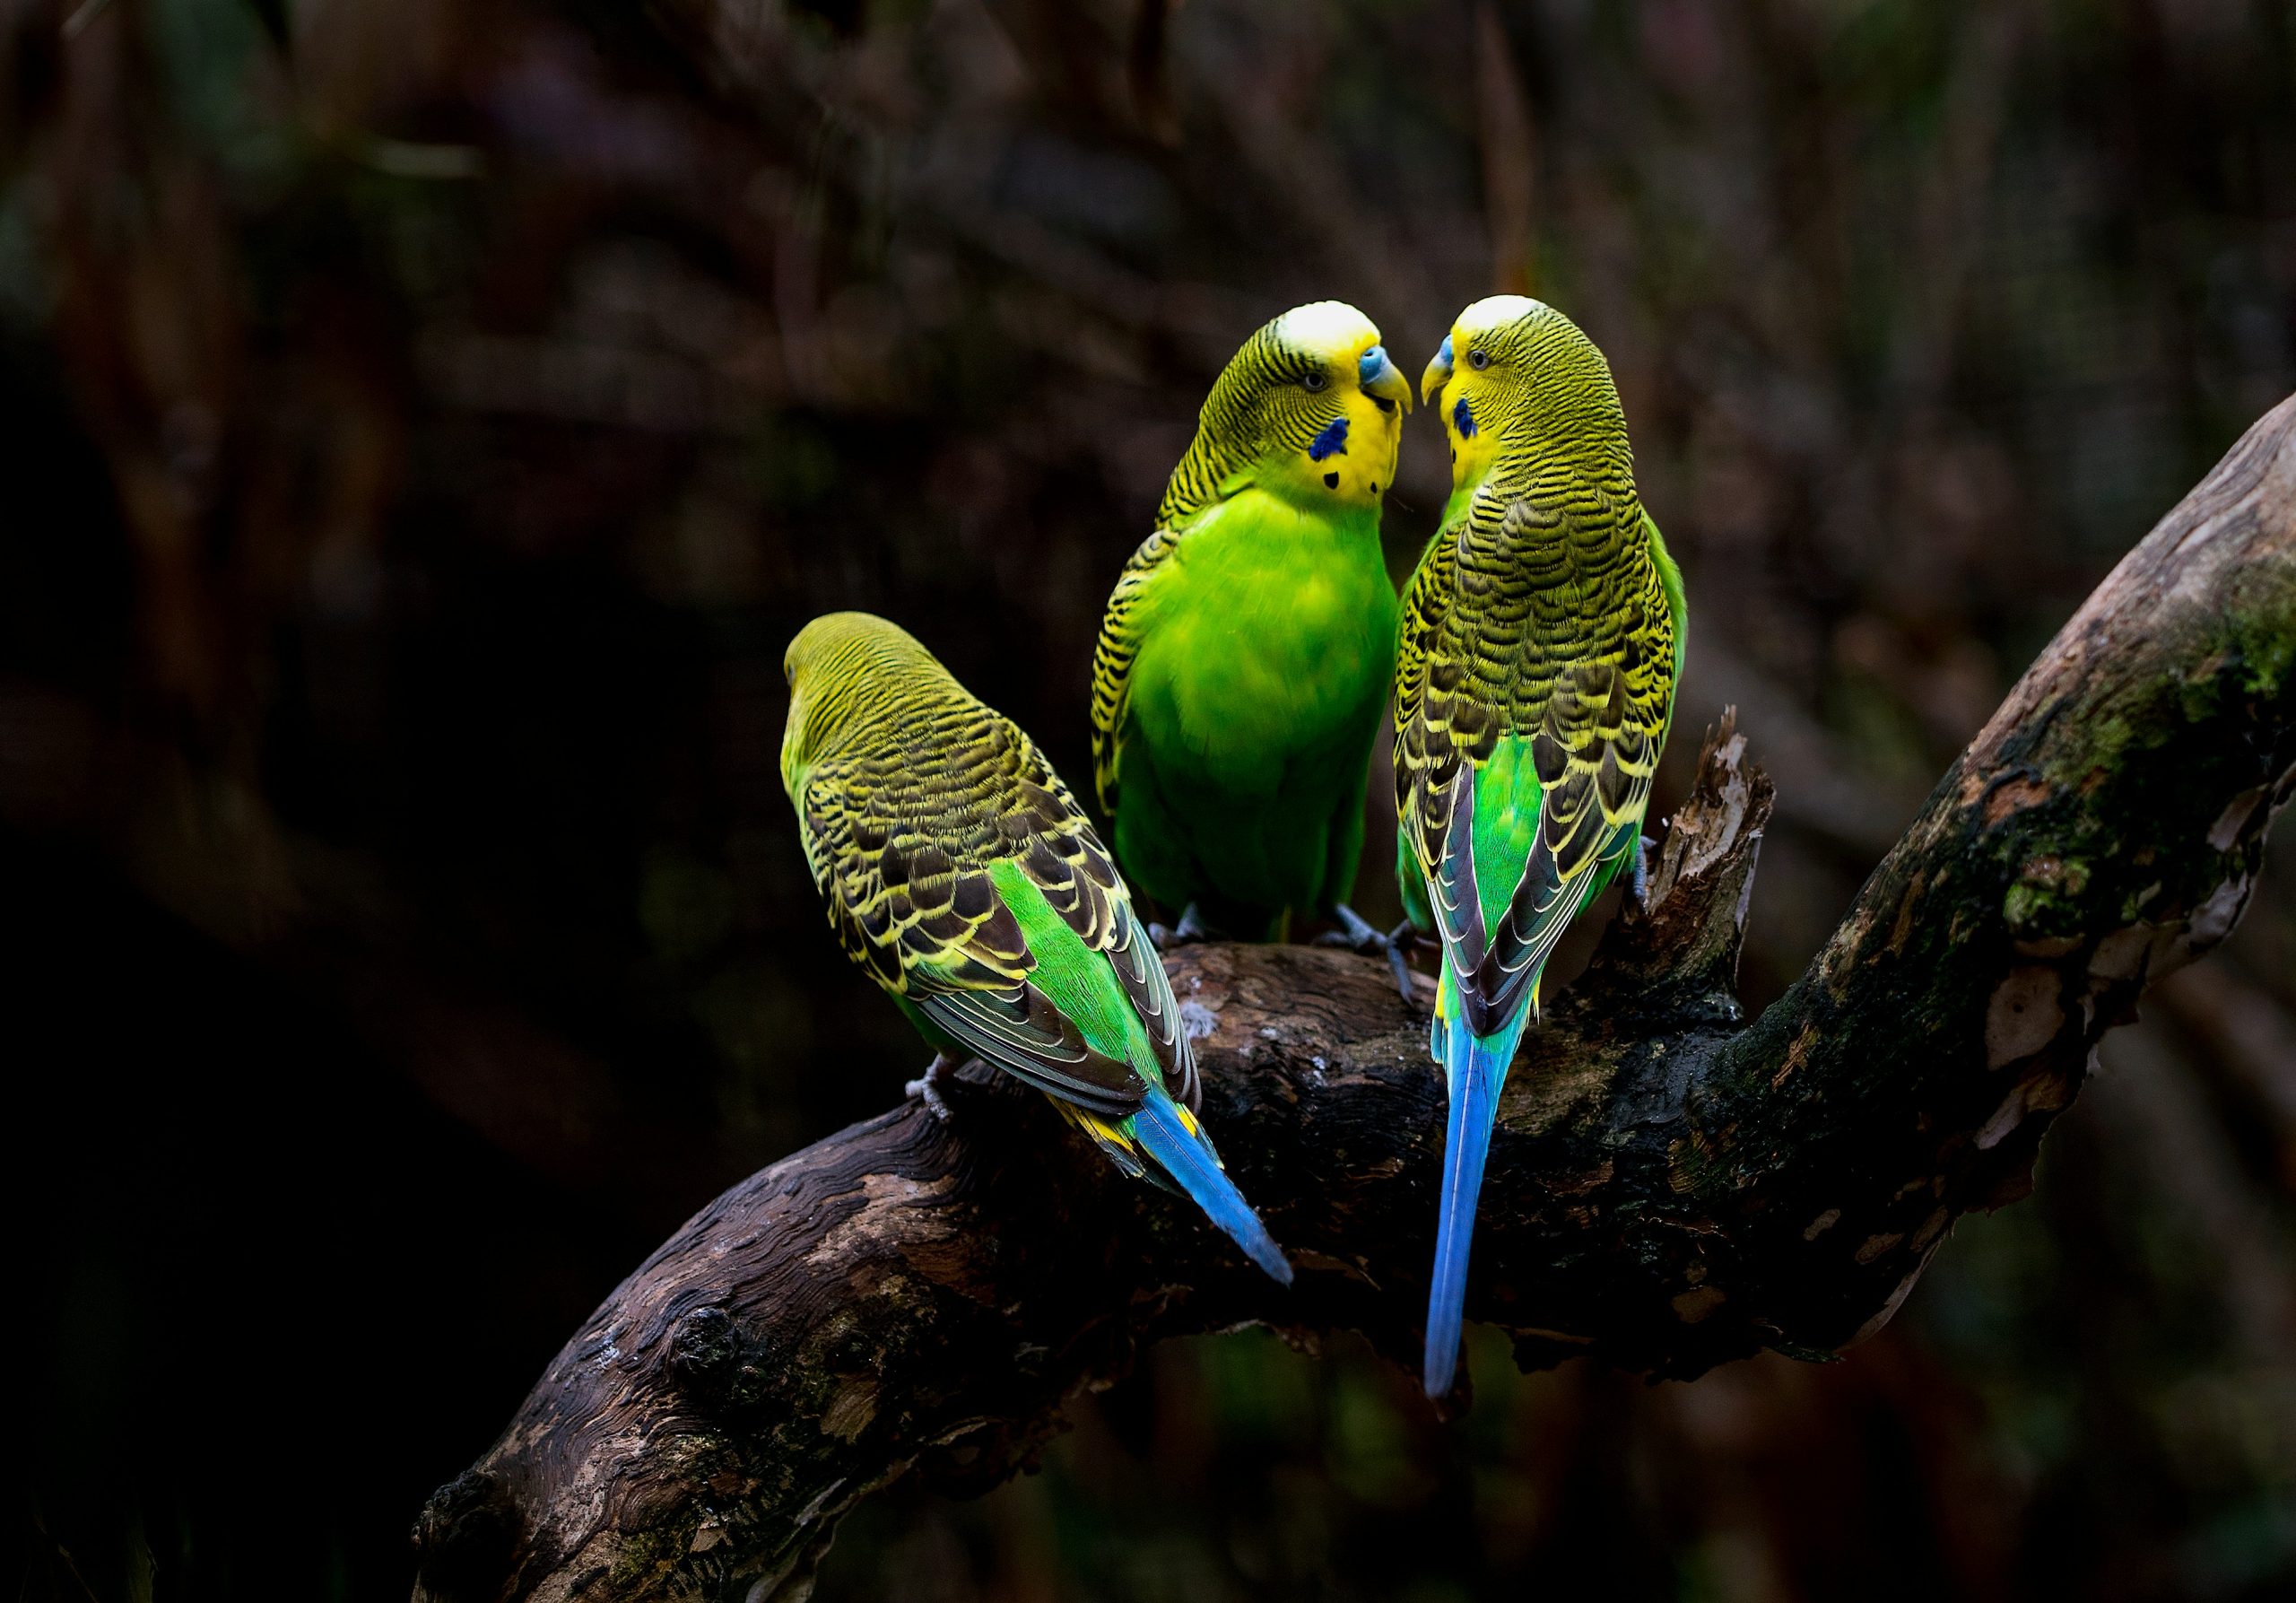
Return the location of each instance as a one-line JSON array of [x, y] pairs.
[[1190, 929], [1355, 933], [1640, 871], [942, 1071]]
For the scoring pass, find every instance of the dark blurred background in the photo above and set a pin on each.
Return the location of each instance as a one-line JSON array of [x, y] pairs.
[[423, 424]]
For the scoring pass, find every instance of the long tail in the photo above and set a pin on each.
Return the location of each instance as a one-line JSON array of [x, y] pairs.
[[1476, 1068], [1174, 1139]]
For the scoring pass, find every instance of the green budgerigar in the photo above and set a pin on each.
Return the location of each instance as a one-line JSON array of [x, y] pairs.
[[1540, 644], [1246, 655], [962, 874]]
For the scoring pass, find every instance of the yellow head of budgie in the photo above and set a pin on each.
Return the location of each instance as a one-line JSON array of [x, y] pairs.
[[1310, 409]]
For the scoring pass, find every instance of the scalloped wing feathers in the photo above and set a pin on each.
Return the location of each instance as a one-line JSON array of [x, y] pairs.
[[1545, 619], [1112, 659], [910, 824]]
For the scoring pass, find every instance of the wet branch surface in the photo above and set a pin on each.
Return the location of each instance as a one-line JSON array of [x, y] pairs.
[[1670, 1187]]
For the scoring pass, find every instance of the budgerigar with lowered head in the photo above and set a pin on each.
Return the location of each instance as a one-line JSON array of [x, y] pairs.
[[961, 875]]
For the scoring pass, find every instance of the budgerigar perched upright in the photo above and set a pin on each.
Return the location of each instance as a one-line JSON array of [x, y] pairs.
[[1534, 680], [1246, 655], [961, 873]]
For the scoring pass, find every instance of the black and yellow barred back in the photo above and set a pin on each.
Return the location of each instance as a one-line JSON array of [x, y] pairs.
[[908, 791]]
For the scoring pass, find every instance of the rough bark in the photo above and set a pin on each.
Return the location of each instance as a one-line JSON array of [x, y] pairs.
[[1669, 1187]]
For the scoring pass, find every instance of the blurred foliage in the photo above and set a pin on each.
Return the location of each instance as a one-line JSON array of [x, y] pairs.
[[426, 424]]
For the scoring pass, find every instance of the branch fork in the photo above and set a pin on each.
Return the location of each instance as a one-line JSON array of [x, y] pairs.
[[1670, 1186]]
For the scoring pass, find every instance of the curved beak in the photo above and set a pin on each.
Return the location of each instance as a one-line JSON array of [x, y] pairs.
[[1381, 379], [1438, 373]]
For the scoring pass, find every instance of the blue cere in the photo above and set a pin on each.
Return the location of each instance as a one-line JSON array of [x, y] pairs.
[[1369, 365], [1331, 443], [1463, 419]]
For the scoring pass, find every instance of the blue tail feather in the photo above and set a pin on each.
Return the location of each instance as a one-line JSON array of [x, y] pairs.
[[1186, 1155], [1475, 1067]]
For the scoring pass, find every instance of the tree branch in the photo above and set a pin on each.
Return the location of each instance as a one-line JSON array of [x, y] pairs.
[[1668, 1187]]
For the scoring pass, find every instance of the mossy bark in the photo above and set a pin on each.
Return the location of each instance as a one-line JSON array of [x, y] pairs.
[[1669, 1187]]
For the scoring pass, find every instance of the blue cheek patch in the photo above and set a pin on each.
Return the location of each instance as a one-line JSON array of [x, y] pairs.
[[1331, 443], [1463, 419]]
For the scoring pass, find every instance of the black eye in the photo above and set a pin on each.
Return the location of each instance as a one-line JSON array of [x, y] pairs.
[[1313, 382], [1478, 360]]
